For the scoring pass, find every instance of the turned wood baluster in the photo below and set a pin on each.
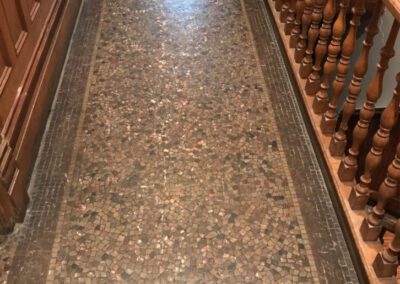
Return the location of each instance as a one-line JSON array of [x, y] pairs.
[[307, 62], [348, 166], [305, 25], [359, 194], [290, 18], [284, 11], [386, 262], [329, 119], [371, 227], [313, 80], [294, 35], [339, 139], [278, 5], [320, 103]]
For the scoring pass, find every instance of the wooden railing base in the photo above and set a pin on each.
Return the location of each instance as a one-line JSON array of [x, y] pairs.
[[313, 82], [347, 171], [337, 147], [358, 200], [320, 101], [338, 170], [383, 268], [370, 232]]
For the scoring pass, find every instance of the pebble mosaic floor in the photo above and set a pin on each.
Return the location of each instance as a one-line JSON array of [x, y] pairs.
[[178, 173]]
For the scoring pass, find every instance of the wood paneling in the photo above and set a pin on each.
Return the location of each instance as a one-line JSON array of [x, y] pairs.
[[14, 21], [33, 41], [17, 46]]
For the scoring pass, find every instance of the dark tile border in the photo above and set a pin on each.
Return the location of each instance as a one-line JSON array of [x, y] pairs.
[[36, 235], [334, 256]]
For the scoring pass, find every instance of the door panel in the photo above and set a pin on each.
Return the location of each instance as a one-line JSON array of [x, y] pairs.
[[20, 34], [31, 5], [4, 73], [34, 37], [13, 20], [2, 67]]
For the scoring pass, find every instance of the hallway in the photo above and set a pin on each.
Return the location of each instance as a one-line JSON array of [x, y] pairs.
[[171, 156]]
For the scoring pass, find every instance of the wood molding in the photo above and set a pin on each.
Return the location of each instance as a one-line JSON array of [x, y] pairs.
[[24, 127], [367, 251], [394, 8]]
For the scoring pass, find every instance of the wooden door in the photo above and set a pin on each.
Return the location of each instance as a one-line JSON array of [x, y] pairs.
[[21, 26], [34, 35]]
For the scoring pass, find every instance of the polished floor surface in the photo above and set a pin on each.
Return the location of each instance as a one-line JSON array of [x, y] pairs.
[[168, 158]]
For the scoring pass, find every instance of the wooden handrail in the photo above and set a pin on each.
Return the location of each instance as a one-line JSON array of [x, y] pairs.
[[394, 8], [359, 152]]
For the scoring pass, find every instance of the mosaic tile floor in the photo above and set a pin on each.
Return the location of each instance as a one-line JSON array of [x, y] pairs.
[[166, 163]]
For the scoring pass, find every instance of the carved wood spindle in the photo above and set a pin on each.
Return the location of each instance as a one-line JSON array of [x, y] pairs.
[[307, 62], [305, 25], [284, 11], [290, 18], [313, 81], [339, 139], [320, 103], [371, 227], [296, 31], [278, 5], [386, 262], [348, 166], [359, 194], [329, 119]]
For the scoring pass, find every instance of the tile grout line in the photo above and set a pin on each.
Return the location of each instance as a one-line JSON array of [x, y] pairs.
[[323, 190], [282, 152], [76, 147]]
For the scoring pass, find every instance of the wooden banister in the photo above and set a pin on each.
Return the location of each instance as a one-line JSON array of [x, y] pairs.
[[321, 99], [291, 17], [329, 118], [313, 33], [284, 11], [305, 24], [394, 8], [386, 262], [372, 227], [325, 31], [371, 146], [349, 165], [296, 31], [339, 140], [359, 196]]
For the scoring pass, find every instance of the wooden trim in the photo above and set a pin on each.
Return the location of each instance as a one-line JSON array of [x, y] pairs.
[[366, 250], [394, 8], [39, 86]]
